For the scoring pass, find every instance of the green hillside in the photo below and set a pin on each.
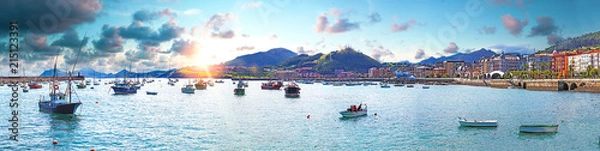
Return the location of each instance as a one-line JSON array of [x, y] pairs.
[[347, 59], [590, 40]]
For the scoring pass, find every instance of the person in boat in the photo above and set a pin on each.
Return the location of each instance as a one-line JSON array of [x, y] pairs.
[[359, 107], [354, 108], [240, 84]]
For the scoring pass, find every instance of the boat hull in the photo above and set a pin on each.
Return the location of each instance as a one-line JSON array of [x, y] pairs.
[[538, 128], [124, 90], [475, 123], [239, 91], [151, 93], [59, 108], [348, 114]]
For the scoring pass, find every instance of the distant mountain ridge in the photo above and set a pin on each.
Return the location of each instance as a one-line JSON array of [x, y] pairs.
[[271, 57], [470, 57]]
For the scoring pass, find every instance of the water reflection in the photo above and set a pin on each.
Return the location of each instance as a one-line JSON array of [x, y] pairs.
[[536, 136]]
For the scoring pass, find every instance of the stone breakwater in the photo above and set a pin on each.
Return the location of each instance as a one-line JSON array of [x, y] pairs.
[[577, 85], [6, 80]]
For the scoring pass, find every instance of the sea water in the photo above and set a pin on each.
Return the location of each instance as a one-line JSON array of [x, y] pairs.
[[216, 119]]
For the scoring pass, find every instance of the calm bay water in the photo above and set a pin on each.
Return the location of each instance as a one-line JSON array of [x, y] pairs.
[[215, 119]]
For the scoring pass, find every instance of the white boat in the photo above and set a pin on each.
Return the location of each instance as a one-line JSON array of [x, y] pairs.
[[354, 111], [539, 128], [477, 123]]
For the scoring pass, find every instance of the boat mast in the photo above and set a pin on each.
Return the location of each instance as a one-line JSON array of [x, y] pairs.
[[74, 64]]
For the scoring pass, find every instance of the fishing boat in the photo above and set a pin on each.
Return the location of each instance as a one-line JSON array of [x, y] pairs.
[[410, 86], [271, 85], [26, 89], [292, 90], [239, 90], [124, 88], [354, 111], [58, 102], [151, 93], [477, 123], [200, 85], [385, 85], [188, 89], [538, 128]]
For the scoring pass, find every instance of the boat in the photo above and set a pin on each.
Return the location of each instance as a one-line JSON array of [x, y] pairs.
[[425, 87], [200, 85], [239, 90], [124, 88], [477, 123], [271, 85], [219, 81], [354, 111], [410, 86], [385, 85], [399, 85], [81, 85], [25, 89], [188, 89], [34, 85], [292, 90], [538, 128], [58, 102], [151, 93]]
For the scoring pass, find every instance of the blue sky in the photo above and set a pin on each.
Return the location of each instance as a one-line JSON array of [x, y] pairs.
[[158, 34]]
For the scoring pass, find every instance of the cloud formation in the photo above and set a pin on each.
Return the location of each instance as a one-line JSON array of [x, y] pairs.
[[70, 39], [217, 26], [452, 48], [110, 40], [513, 25], [487, 30], [339, 25], [545, 26], [47, 19], [374, 18], [420, 54], [403, 26], [146, 15], [185, 47], [301, 50], [244, 48], [377, 54]]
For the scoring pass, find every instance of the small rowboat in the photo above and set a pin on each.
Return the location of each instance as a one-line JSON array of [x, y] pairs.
[[538, 128], [477, 123]]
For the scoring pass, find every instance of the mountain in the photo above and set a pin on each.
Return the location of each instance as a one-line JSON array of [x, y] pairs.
[[347, 59], [270, 58], [471, 57], [91, 73], [300, 60], [587, 40]]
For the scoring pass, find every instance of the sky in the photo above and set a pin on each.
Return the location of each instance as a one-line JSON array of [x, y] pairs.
[[161, 34]]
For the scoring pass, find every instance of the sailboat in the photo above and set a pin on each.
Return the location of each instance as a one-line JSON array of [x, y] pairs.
[[58, 102]]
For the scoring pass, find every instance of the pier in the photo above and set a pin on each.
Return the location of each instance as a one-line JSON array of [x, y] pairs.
[[27, 79]]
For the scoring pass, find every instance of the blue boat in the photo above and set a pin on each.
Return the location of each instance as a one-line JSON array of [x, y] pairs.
[[124, 89], [59, 102], [151, 93], [188, 89]]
